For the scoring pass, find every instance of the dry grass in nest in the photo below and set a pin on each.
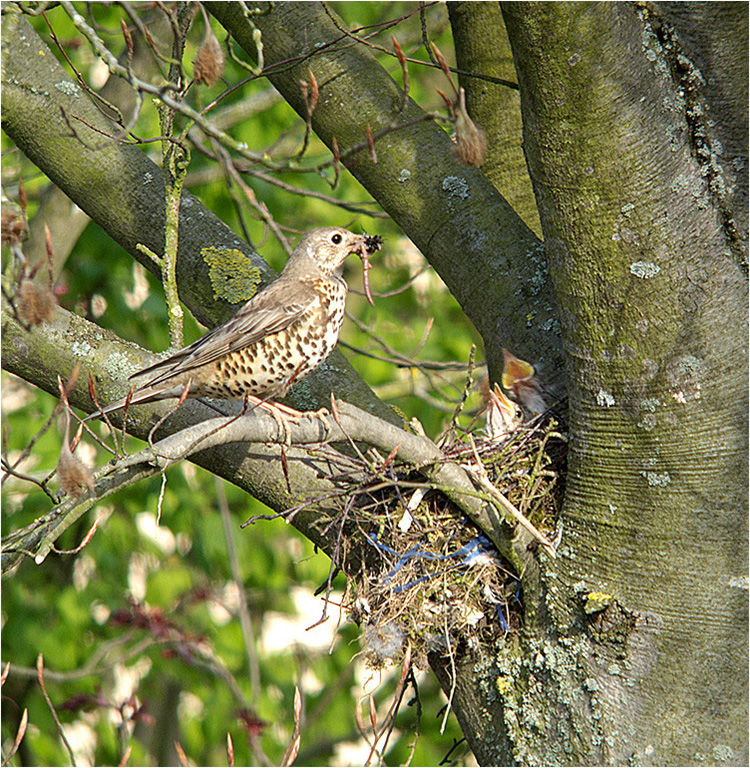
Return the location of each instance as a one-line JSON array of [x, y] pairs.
[[529, 469], [428, 575]]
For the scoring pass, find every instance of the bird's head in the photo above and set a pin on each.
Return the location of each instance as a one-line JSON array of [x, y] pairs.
[[328, 248], [522, 383]]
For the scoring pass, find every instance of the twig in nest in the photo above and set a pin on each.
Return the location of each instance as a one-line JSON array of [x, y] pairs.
[[479, 475]]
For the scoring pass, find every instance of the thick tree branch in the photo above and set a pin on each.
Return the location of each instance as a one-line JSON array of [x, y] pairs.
[[49, 350], [209, 438], [481, 45], [655, 314], [713, 37]]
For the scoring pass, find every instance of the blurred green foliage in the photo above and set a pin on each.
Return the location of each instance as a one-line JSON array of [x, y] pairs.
[[172, 665]]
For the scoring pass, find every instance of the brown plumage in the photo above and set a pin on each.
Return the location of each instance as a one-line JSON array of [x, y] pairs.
[[276, 339]]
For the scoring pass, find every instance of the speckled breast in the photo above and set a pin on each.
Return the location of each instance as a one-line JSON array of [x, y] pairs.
[[281, 359]]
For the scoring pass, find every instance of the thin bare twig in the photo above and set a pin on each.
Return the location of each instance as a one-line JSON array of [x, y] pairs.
[[243, 609], [479, 474], [390, 718], [86, 539], [20, 733], [290, 755], [40, 677], [421, 454], [352, 34], [27, 449], [251, 197]]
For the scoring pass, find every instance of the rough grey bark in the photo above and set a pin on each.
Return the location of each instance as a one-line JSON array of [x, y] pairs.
[[713, 38], [653, 302]]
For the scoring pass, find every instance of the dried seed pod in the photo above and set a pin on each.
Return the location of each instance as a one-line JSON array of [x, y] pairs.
[[14, 225], [471, 142], [74, 476], [36, 304], [208, 66]]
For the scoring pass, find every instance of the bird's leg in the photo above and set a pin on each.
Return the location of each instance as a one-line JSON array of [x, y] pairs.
[[280, 418], [251, 402], [283, 410], [282, 422]]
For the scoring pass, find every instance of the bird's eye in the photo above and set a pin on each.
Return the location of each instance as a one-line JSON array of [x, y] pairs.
[[336, 239]]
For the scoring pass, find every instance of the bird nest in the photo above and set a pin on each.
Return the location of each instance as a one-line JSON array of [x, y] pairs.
[[426, 574]]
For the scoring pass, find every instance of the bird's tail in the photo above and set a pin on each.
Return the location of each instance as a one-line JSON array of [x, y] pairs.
[[136, 397]]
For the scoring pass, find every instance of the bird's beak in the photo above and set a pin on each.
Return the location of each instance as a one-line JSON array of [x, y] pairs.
[[499, 400], [503, 416], [515, 370], [370, 244]]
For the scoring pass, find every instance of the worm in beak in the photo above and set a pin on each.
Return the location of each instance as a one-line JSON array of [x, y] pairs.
[[370, 245]]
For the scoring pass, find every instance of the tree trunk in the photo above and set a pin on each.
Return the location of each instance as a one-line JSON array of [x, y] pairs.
[[653, 306]]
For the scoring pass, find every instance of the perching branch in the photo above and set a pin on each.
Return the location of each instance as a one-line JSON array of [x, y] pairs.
[[351, 423]]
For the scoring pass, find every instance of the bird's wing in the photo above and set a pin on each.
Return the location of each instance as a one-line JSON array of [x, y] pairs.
[[271, 311]]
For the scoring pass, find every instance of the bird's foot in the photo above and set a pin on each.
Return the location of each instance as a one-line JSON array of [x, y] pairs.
[[322, 414], [282, 415], [283, 410], [282, 422]]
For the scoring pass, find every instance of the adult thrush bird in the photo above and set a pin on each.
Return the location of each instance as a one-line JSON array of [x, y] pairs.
[[276, 339]]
